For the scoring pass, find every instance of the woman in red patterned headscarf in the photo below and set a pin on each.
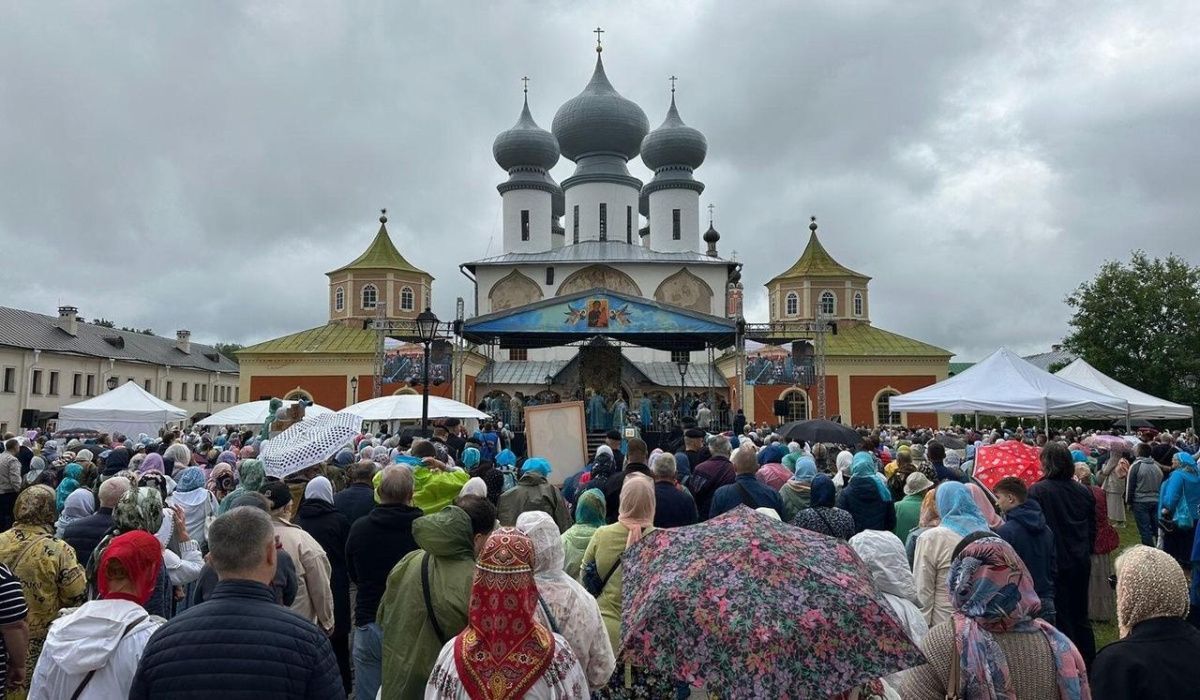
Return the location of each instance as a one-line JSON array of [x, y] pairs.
[[506, 652]]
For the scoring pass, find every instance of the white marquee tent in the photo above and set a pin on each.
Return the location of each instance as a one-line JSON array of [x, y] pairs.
[[129, 409], [254, 413], [408, 407], [1006, 385], [1141, 404]]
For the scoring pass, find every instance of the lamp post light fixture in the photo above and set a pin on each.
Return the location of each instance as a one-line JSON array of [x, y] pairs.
[[682, 363], [111, 383], [353, 390], [427, 327]]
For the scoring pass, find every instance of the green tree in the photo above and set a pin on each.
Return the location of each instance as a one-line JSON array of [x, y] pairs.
[[103, 323], [1139, 322], [229, 349]]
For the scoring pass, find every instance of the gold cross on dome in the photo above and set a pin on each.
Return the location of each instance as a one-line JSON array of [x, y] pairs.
[[598, 31]]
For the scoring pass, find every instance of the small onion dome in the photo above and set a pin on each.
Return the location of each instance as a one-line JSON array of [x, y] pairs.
[[674, 143], [599, 120], [525, 144], [711, 235]]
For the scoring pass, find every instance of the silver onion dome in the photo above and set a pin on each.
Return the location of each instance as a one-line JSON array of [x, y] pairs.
[[600, 121], [674, 143], [526, 144]]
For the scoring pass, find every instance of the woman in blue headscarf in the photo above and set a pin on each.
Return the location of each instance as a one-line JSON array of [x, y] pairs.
[[960, 516], [866, 497], [71, 476], [1179, 500], [796, 494]]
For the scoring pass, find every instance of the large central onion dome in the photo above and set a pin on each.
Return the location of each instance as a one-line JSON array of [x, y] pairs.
[[600, 121], [525, 144], [674, 143]]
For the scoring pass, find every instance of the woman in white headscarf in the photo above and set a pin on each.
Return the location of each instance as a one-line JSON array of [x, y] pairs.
[[844, 459], [572, 611]]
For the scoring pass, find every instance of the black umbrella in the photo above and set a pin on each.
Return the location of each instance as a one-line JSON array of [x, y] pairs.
[[813, 431], [80, 433], [951, 442]]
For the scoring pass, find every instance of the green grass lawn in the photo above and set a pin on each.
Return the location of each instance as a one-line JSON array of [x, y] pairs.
[[1106, 632]]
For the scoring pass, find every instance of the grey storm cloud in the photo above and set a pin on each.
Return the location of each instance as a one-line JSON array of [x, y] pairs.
[[202, 165]]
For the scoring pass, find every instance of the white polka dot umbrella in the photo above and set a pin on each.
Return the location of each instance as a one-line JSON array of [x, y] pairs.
[[308, 443]]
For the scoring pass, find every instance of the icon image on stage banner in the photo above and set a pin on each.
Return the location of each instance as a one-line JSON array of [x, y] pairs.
[[597, 315]]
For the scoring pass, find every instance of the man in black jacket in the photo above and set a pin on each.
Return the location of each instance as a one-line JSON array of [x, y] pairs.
[[613, 439], [240, 641], [673, 505], [85, 533], [1070, 511], [376, 543], [357, 499], [635, 462], [1026, 530]]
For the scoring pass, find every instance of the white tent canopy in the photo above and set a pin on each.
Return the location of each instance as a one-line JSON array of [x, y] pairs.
[[254, 413], [1141, 404], [129, 409], [1006, 385], [408, 407]]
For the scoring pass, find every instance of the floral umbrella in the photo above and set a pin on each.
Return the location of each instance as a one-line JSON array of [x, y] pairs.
[[309, 442], [1008, 458], [757, 608]]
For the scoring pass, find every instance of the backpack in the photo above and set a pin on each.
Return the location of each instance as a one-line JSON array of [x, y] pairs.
[[510, 478]]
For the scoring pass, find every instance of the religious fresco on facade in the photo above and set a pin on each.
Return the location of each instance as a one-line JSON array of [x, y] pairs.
[[772, 364], [611, 314], [404, 363]]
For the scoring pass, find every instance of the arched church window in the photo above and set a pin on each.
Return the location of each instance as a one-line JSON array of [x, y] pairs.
[[858, 304], [793, 304], [797, 404], [370, 296], [828, 303], [883, 413], [406, 299], [339, 299]]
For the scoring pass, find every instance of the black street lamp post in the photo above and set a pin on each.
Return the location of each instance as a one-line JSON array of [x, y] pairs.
[[427, 326], [682, 364]]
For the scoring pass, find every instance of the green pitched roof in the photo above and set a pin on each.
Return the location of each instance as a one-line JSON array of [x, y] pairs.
[[815, 261], [863, 339], [960, 367], [381, 254], [333, 338]]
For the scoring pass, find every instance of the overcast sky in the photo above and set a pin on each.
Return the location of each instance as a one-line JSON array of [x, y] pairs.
[[203, 164]]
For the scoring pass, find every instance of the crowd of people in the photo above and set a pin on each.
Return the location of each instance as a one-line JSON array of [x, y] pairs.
[[453, 567]]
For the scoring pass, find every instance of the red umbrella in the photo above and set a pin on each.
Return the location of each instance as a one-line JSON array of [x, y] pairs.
[[1008, 458]]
